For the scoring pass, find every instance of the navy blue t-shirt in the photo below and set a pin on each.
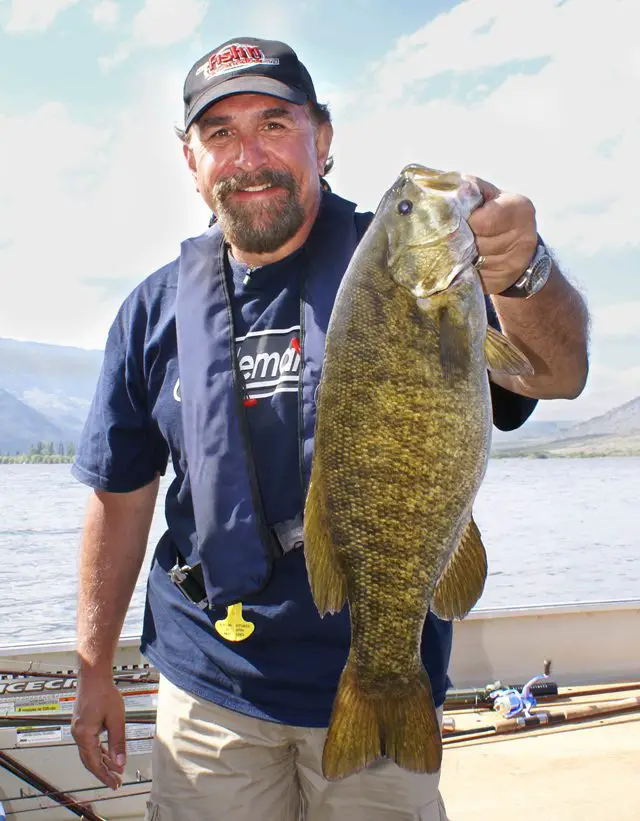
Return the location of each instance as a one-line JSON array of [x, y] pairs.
[[288, 669]]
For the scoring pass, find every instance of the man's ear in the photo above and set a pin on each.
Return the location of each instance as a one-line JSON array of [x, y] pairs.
[[191, 161], [324, 137]]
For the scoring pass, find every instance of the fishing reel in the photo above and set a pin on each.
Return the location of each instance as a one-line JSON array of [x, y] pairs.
[[511, 703]]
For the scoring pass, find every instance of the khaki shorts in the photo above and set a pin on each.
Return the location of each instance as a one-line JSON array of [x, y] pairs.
[[213, 763]]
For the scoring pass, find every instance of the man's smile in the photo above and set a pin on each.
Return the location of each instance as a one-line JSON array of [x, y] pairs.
[[257, 192]]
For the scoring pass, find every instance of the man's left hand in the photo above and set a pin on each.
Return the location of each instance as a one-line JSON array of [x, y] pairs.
[[505, 230]]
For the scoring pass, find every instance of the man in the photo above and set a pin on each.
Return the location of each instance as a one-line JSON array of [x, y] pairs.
[[210, 362]]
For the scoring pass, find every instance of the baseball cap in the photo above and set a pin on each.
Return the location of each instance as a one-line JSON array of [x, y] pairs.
[[246, 65]]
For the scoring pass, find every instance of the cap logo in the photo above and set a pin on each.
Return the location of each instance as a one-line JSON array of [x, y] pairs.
[[234, 57]]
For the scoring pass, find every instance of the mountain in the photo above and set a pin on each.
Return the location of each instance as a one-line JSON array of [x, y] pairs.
[[621, 421], [52, 387], [532, 431], [46, 390], [615, 433], [51, 369], [21, 426]]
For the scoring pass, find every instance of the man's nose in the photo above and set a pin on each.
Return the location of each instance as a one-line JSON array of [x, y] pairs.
[[251, 154]]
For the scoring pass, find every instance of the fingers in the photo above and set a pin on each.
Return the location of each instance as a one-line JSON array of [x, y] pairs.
[[97, 760], [508, 212], [102, 710], [498, 246], [491, 219], [115, 726]]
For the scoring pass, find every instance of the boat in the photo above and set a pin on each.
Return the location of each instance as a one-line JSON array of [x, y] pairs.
[[572, 754]]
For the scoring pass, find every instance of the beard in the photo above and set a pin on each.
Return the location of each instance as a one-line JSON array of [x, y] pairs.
[[258, 227]]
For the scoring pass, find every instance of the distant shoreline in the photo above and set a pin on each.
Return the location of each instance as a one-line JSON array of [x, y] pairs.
[[541, 454], [36, 460], [65, 460]]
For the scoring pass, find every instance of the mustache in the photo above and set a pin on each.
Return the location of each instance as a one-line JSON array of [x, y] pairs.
[[268, 176]]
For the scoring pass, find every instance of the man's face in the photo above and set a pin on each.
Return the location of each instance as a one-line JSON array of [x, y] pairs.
[[257, 161]]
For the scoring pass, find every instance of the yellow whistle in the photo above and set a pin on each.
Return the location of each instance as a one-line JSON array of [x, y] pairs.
[[234, 627]]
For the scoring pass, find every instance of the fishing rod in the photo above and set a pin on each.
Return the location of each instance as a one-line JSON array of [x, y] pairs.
[[93, 801], [38, 720], [21, 771], [540, 719], [19, 675], [14, 800], [482, 696]]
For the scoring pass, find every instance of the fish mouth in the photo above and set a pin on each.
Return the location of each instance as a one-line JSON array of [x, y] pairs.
[[430, 179]]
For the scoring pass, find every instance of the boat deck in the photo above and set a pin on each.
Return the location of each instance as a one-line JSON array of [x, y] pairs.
[[568, 772], [571, 772]]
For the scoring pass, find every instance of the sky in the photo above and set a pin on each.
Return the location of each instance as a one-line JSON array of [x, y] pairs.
[[537, 96]]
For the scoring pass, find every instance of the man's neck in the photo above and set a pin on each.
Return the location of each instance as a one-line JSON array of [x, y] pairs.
[[296, 242]]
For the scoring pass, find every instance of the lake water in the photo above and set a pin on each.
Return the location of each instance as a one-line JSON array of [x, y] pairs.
[[556, 530]]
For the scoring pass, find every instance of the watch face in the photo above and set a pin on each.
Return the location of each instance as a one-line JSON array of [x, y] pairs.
[[539, 275]]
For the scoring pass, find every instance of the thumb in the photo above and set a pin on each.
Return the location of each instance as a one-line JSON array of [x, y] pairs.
[[488, 190], [485, 220], [116, 739]]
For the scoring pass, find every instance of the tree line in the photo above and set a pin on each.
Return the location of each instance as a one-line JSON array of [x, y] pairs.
[[47, 453]]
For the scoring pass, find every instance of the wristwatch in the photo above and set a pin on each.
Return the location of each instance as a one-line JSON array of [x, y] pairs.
[[534, 277]]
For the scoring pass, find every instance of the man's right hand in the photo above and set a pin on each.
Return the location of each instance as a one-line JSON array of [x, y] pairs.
[[99, 706]]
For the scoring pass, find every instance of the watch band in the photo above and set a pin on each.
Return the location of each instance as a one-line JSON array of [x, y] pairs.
[[535, 276]]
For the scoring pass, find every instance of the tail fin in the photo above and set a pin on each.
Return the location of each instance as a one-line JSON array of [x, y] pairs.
[[401, 724]]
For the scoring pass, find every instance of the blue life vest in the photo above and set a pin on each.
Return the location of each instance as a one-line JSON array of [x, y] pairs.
[[236, 547]]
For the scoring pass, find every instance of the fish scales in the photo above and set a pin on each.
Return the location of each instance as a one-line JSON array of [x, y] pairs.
[[388, 462], [400, 450]]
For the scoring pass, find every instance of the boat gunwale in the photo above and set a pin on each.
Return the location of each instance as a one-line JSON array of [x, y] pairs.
[[525, 611]]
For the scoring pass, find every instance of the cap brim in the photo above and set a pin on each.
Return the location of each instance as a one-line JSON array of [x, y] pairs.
[[249, 84]]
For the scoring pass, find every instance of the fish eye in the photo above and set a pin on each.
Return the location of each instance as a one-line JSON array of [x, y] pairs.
[[405, 207]]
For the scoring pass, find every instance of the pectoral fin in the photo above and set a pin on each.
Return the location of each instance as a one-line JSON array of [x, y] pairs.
[[454, 346], [462, 580], [503, 356]]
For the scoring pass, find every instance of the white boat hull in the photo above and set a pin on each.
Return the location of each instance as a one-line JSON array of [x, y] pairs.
[[587, 643]]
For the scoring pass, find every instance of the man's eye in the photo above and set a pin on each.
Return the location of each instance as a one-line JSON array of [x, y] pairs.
[[221, 132], [274, 126]]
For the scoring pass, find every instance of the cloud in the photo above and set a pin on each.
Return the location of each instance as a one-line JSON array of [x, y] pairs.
[[106, 13], [105, 205], [617, 321], [522, 102], [34, 15], [528, 95], [119, 56], [158, 23], [274, 20], [533, 97], [164, 22]]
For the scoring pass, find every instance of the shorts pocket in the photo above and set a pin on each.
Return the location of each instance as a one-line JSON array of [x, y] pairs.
[[433, 811], [152, 813]]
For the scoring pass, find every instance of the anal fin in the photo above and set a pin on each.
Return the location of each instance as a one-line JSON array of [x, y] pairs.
[[462, 580], [327, 581], [503, 357]]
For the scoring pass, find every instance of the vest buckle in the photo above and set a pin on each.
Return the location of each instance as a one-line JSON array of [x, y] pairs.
[[289, 534], [190, 582]]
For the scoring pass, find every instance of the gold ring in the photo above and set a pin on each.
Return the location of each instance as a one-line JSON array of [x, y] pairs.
[[480, 261]]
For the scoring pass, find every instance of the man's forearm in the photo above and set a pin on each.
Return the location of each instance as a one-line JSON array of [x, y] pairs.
[[113, 548], [552, 329]]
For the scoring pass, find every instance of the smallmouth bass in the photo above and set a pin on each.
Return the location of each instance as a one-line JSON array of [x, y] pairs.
[[402, 440]]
